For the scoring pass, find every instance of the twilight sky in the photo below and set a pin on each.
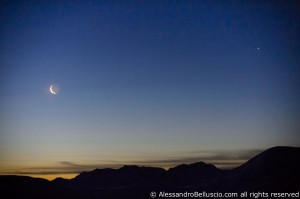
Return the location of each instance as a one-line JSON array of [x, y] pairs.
[[155, 83]]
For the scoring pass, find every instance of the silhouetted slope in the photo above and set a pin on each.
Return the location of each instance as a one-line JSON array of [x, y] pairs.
[[28, 187], [186, 175], [181, 175], [125, 176], [274, 170]]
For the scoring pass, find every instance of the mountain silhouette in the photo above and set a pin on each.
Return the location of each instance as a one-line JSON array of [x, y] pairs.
[[274, 170]]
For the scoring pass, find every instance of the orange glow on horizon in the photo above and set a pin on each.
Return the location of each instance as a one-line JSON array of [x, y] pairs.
[[53, 176]]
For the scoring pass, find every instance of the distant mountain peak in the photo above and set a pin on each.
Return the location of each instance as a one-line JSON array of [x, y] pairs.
[[129, 166], [196, 165]]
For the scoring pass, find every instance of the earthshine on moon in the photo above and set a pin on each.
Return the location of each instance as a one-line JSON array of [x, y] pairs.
[[53, 89]]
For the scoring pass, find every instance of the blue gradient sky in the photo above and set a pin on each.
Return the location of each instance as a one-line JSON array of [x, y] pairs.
[[145, 80]]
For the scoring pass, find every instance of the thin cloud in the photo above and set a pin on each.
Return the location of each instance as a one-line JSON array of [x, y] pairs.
[[221, 159], [70, 164]]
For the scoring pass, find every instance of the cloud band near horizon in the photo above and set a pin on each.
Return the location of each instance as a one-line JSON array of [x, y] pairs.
[[222, 159]]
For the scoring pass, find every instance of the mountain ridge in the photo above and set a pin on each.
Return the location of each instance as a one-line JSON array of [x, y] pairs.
[[273, 170]]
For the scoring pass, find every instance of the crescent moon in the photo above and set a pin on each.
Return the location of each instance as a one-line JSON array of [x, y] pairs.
[[52, 90]]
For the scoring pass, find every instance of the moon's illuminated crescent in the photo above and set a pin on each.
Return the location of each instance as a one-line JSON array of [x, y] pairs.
[[51, 90]]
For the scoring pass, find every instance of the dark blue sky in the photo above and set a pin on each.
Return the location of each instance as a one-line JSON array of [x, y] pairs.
[[139, 78]]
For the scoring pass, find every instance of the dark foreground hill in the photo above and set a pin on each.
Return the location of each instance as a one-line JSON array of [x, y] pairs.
[[274, 170]]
